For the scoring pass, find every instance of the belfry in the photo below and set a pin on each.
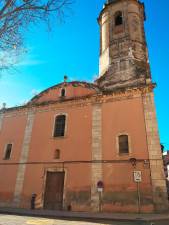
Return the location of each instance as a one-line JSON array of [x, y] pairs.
[[123, 49]]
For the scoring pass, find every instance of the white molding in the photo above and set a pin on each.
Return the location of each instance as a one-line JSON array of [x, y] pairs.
[[97, 154], [24, 154]]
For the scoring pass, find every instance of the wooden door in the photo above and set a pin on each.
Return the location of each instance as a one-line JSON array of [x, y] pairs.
[[53, 198]]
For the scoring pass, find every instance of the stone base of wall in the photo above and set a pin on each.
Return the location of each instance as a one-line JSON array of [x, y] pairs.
[[118, 208]]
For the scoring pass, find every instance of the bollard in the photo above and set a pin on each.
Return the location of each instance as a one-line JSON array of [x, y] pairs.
[[33, 198]]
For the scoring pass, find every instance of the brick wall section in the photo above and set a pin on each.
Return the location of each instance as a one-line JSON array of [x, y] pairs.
[[96, 155], [1, 120], [23, 159], [155, 156]]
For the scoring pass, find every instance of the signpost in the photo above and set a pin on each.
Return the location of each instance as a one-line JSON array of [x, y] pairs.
[[138, 180], [100, 187]]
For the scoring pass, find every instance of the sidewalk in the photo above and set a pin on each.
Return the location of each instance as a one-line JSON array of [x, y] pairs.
[[85, 216]]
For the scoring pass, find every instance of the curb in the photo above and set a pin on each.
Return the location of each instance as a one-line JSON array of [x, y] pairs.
[[83, 216]]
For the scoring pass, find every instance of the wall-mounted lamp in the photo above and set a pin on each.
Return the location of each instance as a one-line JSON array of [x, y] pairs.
[[133, 162]]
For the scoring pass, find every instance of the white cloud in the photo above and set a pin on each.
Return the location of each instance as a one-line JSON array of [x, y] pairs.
[[18, 58], [8, 58], [30, 62], [34, 92]]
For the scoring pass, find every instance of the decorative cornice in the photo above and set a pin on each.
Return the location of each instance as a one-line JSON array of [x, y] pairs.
[[66, 84], [103, 97]]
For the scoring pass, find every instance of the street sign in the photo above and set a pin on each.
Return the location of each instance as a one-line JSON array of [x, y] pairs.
[[137, 176], [100, 186], [100, 189]]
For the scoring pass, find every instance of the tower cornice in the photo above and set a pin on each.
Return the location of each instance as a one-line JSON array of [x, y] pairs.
[[112, 2]]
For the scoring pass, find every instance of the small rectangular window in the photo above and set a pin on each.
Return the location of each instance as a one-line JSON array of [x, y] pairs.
[[123, 144], [8, 151], [57, 154]]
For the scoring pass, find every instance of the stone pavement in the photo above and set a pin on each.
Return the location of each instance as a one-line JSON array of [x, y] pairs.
[[84, 215], [23, 220]]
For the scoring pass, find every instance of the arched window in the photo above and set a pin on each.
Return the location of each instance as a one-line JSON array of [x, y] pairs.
[[59, 129], [57, 154], [123, 144], [118, 18], [63, 92]]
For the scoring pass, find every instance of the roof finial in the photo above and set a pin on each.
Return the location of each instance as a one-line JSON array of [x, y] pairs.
[[3, 105], [65, 78]]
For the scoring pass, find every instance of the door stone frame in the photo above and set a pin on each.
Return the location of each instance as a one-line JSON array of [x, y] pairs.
[[54, 169]]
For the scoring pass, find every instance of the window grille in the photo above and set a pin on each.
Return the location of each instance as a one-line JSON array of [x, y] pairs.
[[59, 130], [123, 144]]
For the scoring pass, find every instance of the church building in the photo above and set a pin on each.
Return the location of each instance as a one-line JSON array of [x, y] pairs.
[[90, 146]]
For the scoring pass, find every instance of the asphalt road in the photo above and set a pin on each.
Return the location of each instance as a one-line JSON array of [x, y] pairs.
[[23, 220]]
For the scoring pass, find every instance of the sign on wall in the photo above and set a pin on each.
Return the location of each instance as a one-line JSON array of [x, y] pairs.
[[137, 176], [100, 186]]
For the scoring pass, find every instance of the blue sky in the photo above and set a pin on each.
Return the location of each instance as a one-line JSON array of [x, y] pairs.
[[72, 48]]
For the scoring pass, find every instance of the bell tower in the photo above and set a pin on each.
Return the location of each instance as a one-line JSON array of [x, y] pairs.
[[124, 66], [123, 49]]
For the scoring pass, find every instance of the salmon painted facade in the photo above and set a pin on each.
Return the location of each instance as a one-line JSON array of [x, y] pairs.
[[90, 146]]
